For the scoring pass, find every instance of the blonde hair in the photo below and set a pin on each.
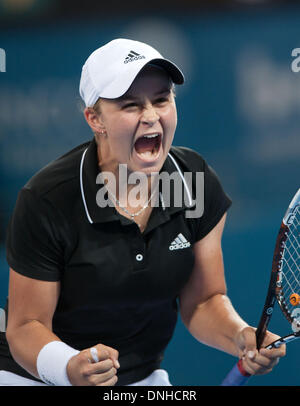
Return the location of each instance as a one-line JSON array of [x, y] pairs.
[[96, 106]]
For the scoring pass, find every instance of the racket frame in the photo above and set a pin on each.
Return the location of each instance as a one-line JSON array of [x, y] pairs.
[[273, 289], [238, 375]]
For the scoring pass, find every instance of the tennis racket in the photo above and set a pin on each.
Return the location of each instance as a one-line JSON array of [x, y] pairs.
[[284, 286]]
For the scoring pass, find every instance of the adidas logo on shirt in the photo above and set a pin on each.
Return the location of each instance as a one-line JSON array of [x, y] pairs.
[[179, 243], [133, 56]]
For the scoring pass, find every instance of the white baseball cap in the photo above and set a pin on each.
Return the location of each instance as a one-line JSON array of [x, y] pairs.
[[110, 70]]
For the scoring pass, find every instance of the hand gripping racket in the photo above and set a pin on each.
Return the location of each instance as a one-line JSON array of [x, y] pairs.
[[284, 286]]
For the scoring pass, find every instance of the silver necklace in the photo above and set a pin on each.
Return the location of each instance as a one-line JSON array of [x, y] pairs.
[[132, 215]]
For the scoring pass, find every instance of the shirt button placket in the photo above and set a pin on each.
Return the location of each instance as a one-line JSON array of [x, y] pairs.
[[139, 257], [138, 247]]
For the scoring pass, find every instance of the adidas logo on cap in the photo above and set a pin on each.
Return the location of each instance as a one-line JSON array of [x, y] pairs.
[[180, 242], [133, 56]]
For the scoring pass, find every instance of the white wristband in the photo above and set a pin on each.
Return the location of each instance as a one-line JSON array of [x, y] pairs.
[[52, 363]]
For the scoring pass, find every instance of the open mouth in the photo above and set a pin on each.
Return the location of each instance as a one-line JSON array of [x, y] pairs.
[[148, 146]]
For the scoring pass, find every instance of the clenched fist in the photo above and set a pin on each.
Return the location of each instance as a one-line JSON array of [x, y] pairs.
[[95, 366]]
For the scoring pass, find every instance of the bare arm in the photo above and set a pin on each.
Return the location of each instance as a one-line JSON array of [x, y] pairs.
[[32, 304], [209, 315], [205, 308], [31, 307]]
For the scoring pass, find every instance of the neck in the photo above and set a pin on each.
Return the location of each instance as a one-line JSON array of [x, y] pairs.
[[131, 189]]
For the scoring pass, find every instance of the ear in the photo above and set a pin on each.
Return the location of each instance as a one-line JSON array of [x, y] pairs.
[[94, 120]]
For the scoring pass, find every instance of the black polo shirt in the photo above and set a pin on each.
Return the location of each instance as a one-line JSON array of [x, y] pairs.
[[118, 286]]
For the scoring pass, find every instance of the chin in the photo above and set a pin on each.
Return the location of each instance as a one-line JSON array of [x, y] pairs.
[[150, 167]]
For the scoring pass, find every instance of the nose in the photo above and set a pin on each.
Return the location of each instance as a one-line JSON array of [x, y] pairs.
[[149, 115]]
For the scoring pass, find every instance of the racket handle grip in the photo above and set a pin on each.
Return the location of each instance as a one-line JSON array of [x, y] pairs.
[[237, 376]]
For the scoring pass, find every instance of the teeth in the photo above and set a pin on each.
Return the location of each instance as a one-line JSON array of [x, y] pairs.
[[151, 136], [146, 154]]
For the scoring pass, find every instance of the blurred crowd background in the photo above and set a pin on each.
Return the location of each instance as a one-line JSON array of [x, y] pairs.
[[239, 108]]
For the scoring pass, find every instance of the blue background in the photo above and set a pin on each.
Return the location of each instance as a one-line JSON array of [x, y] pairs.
[[239, 108]]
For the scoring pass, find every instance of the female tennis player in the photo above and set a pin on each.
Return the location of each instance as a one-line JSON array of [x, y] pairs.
[[98, 272]]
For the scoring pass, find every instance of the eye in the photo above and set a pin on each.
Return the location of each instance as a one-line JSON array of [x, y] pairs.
[[161, 100], [130, 105]]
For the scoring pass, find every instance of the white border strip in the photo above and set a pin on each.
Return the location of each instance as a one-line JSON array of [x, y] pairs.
[[81, 188], [183, 180]]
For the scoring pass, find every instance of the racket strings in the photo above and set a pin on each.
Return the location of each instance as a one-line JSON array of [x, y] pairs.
[[290, 265]]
